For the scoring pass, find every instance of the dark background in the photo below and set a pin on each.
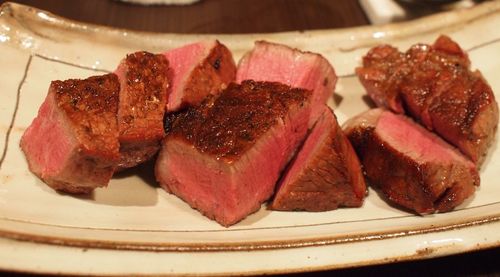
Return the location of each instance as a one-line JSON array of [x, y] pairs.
[[212, 16], [257, 16]]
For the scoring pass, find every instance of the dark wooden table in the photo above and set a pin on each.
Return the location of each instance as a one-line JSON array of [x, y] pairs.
[[250, 16]]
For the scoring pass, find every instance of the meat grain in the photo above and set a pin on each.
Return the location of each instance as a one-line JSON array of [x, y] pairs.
[[324, 175], [72, 144], [435, 85], [225, 157], [413, 167], [274, 62], [196, 71]]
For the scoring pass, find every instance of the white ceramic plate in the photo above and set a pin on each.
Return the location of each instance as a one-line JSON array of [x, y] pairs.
[[133, 227]]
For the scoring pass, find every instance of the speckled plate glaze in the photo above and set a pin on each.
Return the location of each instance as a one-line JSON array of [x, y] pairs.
[[134, 227]]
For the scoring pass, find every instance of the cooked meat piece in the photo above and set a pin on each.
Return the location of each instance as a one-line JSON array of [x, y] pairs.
[[279, 63], [412, 166], [434, 85], [324, 175], [198, 70], [143, 96], [72, 145], [225, 157]]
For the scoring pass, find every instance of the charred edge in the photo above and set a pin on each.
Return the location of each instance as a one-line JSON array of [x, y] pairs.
[[442, 198], [14, 114], [168, 121], [473, 48], [217, 62]]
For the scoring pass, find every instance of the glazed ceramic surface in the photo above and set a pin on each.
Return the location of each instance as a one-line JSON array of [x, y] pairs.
[[134, 227]]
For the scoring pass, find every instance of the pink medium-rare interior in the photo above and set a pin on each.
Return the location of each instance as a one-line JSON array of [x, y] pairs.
[[417, 142], [366, 119], [228, 191], [280, 63], [47, 143], [309, 148], [182, 61], [121, 72]]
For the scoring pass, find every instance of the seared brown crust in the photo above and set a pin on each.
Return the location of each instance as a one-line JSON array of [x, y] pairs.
[[229, 125], [424, 187], [143, 97], [470, 122], [211, 76], [382, 72], [332, 178], [68, 187], [141, 114], [91, 106], [434, 84]]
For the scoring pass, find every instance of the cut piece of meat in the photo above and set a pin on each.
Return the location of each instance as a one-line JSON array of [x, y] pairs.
[[412, 166], [324, 175], [196, 71], [434, 84], [279, 63], [72, 145], [225, 157], [143, 96]]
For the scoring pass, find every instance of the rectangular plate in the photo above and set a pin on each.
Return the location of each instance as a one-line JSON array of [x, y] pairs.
[[133, 220]]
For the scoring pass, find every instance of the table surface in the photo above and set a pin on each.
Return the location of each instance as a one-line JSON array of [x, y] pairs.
[[257, 16]]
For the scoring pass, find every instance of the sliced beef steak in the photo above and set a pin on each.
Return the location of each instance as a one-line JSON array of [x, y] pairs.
[[225, 157], [198, 70], [434, 84], [72, 145], [143, 96], [279, 63], [324, 175], [412, 166]]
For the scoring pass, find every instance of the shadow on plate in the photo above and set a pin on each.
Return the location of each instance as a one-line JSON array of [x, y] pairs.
[[132, 187], [368, 101], [337, 99], [255, 217]]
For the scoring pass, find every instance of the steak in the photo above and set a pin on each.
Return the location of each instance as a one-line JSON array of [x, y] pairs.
[[434, 85], [225, 157], [72, 144], [279, 63], [324, 175], [413, 167], [143, 96], [198, 70]]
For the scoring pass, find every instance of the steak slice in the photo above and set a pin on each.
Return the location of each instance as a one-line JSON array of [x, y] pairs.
[[225, 157], [279, 63], [72, 145], [198, 70], [413, 167], [324, 175], [143, 96], [434, 85]]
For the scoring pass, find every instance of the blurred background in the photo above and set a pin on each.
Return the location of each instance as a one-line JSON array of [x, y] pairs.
[[242, 16]]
